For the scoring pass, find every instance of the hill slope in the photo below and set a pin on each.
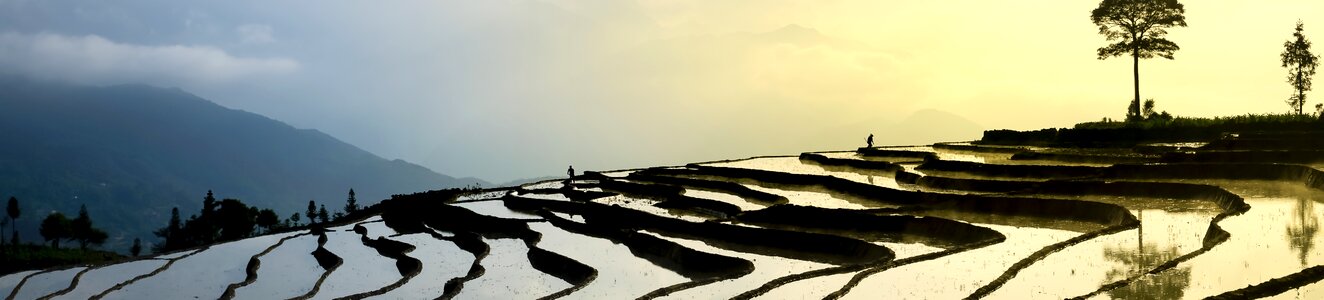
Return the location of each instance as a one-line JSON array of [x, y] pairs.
[[132, 152]]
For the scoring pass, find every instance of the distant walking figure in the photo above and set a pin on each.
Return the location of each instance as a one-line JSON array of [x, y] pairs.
[[570, 172], [870, 140]]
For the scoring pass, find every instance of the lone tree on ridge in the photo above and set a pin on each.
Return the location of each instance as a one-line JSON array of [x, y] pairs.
[[56, 227], [12, 211], [1300, 64], [1138, 27]]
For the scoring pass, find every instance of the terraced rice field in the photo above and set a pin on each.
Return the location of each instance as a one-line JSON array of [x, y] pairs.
[[948, 221]]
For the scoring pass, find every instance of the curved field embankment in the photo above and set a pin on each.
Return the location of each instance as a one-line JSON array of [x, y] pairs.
[[1275, 286], [737, 189], [790, 244], [932, 231], [876, 165], [250, 272], [1231, 204], [329, 262], [422, 213], [885, 152], [671, 197], [1019, 171], [1084, 211]]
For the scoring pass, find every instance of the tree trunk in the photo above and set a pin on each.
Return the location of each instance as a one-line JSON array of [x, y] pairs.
[[1300, 102], [1135, 71]]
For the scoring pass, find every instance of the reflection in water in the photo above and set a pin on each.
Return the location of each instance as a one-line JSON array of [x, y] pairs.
[[1170, 284], [1301, 233]]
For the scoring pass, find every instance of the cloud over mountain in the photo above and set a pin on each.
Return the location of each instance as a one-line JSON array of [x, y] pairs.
[[95, 59]]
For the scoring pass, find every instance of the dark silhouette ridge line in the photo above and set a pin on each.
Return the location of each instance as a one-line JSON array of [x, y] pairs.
[[979, 148], [408, 266], [324, 257], [14, 293], [849, 164], [1025, 153], [1037, 256], [1015, 171], [158, 270], [864, 268], [888, 152], [255, 263], [1275, 286]]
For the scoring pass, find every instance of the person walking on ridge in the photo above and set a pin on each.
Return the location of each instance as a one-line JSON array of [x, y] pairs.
[[570, 173], [870, 141]]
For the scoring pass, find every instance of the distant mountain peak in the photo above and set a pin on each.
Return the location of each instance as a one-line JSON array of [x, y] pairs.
[[132, 152]]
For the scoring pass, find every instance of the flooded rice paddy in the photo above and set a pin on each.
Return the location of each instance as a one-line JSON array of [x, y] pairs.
[[673, 233]]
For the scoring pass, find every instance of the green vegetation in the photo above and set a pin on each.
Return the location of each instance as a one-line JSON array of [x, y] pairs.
[[1151, 129], [82, 231], [1248, 122], [57, 227], [227, 220], [1137, 27], [28, 257], [1300, 64], [231, 219]]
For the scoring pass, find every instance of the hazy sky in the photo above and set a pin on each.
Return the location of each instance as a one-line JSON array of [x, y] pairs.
[[505, 89]]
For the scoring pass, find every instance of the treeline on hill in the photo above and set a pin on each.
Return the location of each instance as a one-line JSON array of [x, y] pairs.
[[56, 227], [1109, 133], [231, 219]]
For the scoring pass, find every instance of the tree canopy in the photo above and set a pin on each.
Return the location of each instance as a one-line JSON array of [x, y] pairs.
[[351, 204], [56, 227], [227, 220], [83, 232], [1137, 28], [12, 208], [1300, 64], [11, 217]]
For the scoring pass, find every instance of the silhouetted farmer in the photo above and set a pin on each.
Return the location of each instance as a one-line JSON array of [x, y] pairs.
[[570, 172], [870, 140]]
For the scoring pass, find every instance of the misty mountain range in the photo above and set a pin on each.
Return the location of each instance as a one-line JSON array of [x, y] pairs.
[[132, 152]]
